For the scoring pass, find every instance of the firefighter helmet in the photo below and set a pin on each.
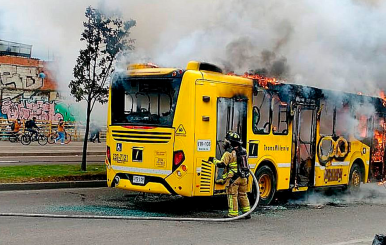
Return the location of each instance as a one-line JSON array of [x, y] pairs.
[[233, 137]]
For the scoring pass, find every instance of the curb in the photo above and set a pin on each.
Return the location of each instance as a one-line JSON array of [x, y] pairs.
[[52, 185], [42, 154]]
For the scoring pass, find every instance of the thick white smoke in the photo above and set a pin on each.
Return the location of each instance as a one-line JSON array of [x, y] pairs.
[[330, 44]]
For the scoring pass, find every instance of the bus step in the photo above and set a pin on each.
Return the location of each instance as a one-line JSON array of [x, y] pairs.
[[298, 189]]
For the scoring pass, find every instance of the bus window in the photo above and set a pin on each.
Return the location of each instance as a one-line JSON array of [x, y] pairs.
[[326, 119], [149, 101], [344, 121], [279, 117], [361, 126], [261, 113]]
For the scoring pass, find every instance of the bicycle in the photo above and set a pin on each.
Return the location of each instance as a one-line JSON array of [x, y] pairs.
[[27, 138], [14, 137], [54, 135]]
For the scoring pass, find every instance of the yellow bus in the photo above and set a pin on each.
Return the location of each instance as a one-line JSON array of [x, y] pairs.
[[165, 123]]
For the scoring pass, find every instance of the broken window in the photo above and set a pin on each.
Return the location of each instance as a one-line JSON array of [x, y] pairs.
[[279, 117], [144, 101], [261, 113], [231, 116], [344, 121], [326, 118]]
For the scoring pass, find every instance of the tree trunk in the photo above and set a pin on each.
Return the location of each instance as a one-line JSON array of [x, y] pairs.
[[84, 156]]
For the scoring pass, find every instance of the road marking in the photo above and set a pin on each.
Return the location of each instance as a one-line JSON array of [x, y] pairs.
[[366, 240], [8, 161]]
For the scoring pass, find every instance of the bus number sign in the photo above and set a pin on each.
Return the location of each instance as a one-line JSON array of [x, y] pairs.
[[203, 145]]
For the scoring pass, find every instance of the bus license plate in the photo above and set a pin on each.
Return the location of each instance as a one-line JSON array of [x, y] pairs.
[[138, 179]]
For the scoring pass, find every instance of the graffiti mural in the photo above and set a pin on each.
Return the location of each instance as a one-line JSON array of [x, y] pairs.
[[20, 77], [42, 110], [27, 90]]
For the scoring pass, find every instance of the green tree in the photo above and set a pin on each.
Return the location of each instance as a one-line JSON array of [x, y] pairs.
[[106, 37]]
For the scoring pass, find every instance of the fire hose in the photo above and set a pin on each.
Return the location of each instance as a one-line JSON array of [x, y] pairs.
[[69, 216]]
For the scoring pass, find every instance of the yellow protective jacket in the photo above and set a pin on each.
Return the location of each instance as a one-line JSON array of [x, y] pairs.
[[229, 162]]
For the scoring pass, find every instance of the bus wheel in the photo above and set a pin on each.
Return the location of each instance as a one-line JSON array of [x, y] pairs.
[[355, 179], [267, 184]]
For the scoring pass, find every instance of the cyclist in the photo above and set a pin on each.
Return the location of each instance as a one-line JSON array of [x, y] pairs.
[[31, 125], [16, 127]]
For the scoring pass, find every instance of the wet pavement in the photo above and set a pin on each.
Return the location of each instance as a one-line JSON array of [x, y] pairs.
[[319, 218]]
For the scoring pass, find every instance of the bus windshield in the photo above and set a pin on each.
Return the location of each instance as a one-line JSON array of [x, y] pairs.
[[144, 101]]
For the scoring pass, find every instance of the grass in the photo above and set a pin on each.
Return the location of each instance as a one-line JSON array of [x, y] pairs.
[[42, 173]]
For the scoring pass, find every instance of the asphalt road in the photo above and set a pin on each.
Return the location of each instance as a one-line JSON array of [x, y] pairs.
[[315, 219], [18, 154]]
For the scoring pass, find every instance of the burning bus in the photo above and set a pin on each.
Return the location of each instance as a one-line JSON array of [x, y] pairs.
[[165, 123]]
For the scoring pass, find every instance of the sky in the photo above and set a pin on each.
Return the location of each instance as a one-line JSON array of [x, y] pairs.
[[338, 45]]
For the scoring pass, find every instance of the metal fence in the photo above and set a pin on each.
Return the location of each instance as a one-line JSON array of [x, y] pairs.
[[16, 49], [76, 130], [46, 127]]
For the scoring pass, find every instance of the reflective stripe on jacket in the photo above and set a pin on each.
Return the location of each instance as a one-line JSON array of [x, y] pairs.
[[229, 161]]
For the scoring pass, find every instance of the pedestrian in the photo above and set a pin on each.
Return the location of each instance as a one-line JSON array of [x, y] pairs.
[[95, 133], [235, 176], [61, 132]]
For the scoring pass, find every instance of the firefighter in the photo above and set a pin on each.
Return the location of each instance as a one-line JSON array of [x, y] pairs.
[[236, 182]]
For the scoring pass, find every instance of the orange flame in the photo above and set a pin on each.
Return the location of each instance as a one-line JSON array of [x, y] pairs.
[[383, 97], [382, 182], [263, 81], [379, 142]]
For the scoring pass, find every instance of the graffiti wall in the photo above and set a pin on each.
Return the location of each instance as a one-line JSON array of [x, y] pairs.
[[20, 77], [28, 90], [42, 110]]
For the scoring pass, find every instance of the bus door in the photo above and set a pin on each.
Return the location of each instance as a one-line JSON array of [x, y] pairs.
[[303, 145], [378, 146], [231, 116]]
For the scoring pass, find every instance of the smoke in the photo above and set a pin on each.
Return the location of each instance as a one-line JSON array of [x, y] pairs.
[[330, 44], [336, 45], [368, 194]]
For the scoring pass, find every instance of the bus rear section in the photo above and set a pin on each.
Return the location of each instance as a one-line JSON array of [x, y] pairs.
[[140, 137]]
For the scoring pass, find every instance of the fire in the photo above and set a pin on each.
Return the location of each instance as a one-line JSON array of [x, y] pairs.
[[263, 81], [378, 146], [382, 182], [383, 97], [141, 66]]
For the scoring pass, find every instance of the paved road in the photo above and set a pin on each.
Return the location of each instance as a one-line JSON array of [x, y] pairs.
[[320, 219], [18, 154]]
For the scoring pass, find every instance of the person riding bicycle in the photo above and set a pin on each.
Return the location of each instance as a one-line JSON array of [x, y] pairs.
[[31, 125], [16, 127]]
